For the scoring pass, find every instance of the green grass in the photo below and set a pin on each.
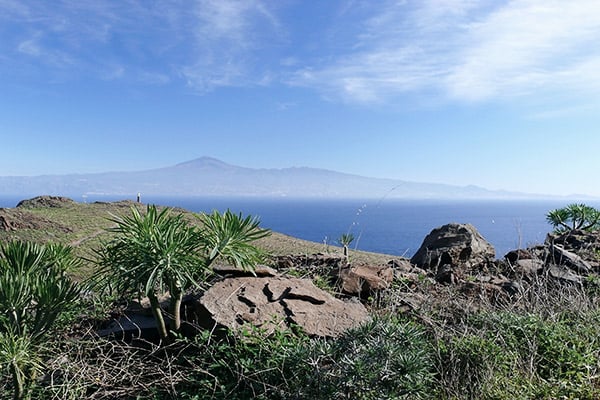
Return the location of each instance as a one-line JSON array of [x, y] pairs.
[[84, 226]]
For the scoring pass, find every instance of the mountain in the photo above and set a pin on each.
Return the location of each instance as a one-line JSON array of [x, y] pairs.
[[211, 177]]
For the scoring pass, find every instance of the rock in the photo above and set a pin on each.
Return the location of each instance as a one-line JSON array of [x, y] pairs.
[[569, 259], [260, 270], [362, 280], [452, 249], [511, 287], [46, 202], [563, 274], [129, 327], [528, 267], [402, 265], [407, 302], [514, 255], [274, 302], [576, 239], [584, 244]]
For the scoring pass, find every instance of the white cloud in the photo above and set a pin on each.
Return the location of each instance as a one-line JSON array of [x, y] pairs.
[[467, 50], [526, 47]]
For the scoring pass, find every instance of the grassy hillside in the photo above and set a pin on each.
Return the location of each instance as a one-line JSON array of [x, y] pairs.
[[84, 226]]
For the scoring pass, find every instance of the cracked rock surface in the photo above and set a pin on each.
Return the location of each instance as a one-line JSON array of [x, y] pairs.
[[273, 302]]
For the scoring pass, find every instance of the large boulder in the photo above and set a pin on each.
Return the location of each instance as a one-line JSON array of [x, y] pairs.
[[274, 302], [452, 249]]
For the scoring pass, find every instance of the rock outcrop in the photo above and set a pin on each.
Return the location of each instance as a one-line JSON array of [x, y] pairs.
[[452, 250], [273, 302], [46, 202]]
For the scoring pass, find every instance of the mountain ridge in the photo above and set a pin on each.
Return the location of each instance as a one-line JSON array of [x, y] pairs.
[[208, 176]]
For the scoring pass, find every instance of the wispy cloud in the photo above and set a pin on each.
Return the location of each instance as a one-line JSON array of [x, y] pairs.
[[468, 51], [527, 47], [228, 36], [454, 50], [208, 43]]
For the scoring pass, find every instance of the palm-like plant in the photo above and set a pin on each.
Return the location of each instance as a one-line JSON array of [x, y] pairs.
[[158, 252], [574, 217], [230, 236], [20, 355], [34, 290]]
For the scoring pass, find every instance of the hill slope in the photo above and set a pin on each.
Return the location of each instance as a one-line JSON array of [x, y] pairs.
[[84, 226]]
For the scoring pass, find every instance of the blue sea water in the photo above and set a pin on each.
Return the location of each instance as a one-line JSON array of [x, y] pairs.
[[395, 227]]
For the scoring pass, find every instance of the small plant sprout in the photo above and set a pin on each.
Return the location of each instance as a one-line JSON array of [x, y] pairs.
[[345, 241]]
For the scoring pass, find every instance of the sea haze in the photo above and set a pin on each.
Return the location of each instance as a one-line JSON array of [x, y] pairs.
[[207, 176], [390, 226]]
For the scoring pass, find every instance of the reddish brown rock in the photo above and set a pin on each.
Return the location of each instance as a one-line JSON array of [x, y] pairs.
[[364, 279]]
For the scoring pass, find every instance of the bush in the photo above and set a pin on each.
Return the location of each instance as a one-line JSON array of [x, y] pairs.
[[506, 355], [387, 358]]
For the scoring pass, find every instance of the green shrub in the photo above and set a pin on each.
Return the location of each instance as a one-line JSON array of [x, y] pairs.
[[34, 292], [254, 365], [386, 358], [506, 355]]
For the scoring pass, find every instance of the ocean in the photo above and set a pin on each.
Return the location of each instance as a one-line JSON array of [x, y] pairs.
[[395, 227]]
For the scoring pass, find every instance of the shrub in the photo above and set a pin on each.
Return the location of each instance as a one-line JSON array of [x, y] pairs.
[[386, 358], [574, 217], [34, 291], [507, 355]]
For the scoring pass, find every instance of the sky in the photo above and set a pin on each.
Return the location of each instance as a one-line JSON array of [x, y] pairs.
[[499, 94]]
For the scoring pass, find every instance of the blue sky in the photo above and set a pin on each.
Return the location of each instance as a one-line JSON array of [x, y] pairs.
[[500, 94]]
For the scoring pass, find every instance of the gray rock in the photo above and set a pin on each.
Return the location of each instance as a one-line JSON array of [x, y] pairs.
[[528, 267], [453, 248], [570, 259], [563, 274]]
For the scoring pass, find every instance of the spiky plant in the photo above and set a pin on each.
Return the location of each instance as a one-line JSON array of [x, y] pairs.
[[34, 291], [230, 236], [158, 252], [574, 217]]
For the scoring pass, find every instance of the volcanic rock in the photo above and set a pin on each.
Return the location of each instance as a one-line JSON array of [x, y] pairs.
[[273, 302], [453, 249], [362, 280]]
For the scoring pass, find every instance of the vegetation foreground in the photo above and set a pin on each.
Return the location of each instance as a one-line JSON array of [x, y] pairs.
[[67, 269]]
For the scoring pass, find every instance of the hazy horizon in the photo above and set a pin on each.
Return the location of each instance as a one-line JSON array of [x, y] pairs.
[[210, 177], [501, 95]]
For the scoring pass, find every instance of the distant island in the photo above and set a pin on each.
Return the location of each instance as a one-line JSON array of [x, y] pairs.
[[208, 176]]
